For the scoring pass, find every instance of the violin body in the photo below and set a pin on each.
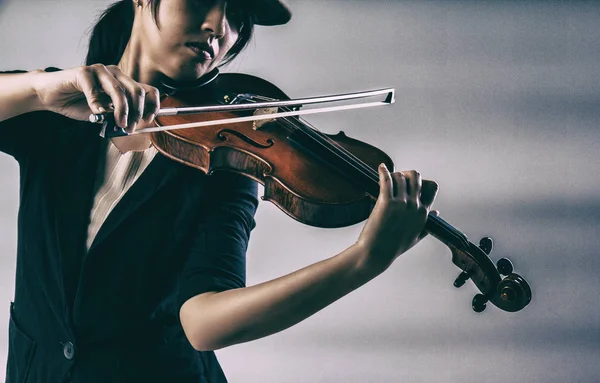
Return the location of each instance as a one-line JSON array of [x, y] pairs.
[[317, 193]]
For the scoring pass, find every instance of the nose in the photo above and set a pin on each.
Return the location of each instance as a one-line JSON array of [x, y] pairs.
[[215, 21]]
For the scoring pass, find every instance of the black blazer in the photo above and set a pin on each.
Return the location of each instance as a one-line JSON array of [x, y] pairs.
[[112, 314]]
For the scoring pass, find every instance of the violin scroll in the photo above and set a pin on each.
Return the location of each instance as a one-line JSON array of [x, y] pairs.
[[511, 293]]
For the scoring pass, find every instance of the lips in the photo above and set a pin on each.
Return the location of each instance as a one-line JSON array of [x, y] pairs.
[[201, 50]]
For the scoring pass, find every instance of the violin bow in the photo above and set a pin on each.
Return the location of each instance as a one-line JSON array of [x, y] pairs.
[[110, 128]]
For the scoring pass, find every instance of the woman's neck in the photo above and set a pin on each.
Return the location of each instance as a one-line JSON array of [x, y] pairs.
[[138, 66]]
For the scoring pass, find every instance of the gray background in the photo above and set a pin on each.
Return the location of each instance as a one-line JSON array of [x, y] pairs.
[[497, 101]]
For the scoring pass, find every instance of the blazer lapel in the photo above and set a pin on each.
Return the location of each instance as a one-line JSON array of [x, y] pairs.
[[157, 174]]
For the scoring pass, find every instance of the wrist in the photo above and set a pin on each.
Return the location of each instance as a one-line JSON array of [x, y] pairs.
[[36, 80], [368, 261]]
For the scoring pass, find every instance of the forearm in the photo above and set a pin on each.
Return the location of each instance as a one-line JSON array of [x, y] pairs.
[[217, 320], [17, 94]]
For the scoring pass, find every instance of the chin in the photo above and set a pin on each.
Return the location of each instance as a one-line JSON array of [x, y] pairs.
[[189, 71]]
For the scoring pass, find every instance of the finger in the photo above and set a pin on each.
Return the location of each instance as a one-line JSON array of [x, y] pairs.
[[385, 182], [413, 186], [152, 103], [136, 96], [117, 94], [96, 100], [400, 186], [429, 191]]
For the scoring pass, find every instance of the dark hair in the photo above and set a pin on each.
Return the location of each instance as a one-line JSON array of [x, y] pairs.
[[112, 31]]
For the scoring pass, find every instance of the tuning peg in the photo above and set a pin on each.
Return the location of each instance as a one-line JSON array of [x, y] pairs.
[[461, 279], [479, 302], [505, 266], [486, 245]]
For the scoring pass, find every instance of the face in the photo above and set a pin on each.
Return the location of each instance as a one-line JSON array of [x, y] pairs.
[[189, 37]]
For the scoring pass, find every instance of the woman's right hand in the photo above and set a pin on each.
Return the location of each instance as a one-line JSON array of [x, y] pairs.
[[398, 219], [78, 92]]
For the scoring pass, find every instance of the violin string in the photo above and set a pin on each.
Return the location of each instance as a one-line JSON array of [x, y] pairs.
[[325, 140], [333, 147], [328, 144], [459, 238], [323, 144], [294, 124], [372, 174]]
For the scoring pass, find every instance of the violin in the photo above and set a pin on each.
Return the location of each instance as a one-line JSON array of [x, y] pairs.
[[249, 126]]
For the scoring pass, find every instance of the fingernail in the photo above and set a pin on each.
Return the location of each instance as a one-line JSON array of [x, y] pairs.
[[102, 110]]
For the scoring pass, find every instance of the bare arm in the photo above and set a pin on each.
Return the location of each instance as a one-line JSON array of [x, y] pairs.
[[216, 320], [241, 315], [17, 94]]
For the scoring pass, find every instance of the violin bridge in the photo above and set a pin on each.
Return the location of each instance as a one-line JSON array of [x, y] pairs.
[[258, 112]]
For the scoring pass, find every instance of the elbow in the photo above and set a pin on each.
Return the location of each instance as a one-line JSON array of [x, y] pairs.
[[199, 338], [202, 345], [201, 341], [202, 333], [202, 338]]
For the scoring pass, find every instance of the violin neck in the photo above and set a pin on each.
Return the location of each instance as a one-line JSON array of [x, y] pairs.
[[445, 232]]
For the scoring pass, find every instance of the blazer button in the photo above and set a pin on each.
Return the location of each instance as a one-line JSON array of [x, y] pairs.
[[69, 350]]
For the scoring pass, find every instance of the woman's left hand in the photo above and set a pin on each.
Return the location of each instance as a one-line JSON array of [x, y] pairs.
[[397, 222]]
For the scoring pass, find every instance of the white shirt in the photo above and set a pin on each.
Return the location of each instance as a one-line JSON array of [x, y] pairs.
[[115, 176]]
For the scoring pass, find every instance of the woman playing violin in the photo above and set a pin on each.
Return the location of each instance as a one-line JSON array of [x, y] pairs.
[[131, 266]]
